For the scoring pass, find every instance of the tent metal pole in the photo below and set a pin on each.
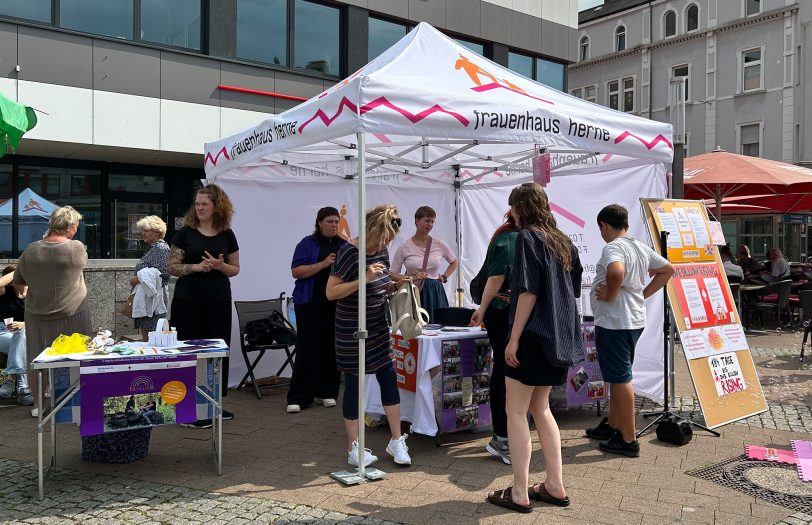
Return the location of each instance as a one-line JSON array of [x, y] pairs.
[[458, 202], [362, 300]]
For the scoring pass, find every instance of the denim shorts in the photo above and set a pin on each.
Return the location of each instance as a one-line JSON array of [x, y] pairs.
[[616, 353]]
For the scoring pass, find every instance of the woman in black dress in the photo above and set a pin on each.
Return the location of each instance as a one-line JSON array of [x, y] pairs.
[[204, 256], [545, 340]]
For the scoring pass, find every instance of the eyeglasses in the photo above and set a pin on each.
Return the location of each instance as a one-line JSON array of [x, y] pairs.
[[397, 222]]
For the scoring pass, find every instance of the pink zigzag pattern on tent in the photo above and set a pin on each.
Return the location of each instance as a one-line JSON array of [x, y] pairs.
[[213, 160], [494, 85], [414, 118], [659, 138]]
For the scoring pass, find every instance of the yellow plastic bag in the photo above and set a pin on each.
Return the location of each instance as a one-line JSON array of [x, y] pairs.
[[69, 344]]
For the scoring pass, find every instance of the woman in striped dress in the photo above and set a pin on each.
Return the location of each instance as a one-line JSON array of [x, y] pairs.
[[383, 225]]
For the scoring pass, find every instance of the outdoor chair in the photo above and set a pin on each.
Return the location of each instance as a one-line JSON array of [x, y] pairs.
[[779, 307], [252, 311], [805, 297]]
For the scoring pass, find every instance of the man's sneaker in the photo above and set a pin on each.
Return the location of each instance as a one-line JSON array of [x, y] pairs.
[[326, 401], [397, 449], [369, 457], [200, 423], [499, 449], [617, 445], [294, 409], [227, 415], [25, 398], [7, 388], [602, 431]]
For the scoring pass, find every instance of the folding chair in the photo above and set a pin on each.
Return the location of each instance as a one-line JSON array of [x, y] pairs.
[[775, 299], [251, 311], [805, 297]]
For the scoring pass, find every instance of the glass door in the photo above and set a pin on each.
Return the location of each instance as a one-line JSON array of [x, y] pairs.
[[126, 235]]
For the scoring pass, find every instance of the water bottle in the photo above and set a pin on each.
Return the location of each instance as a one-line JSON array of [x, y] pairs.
[[292, 314]]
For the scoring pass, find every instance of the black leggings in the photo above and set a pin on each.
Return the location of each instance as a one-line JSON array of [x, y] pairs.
[[203, 320], [388, 381], [314, 371], [496, 322]]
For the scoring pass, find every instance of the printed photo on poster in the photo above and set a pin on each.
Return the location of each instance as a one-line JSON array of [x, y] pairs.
[[141, 410], [589, 334], [597, 390], [577, 381], [591, 355], [452, 400], [727, 374], [482, 397], [452, 384], [451, 349], [451, 366], [482, 380], [483, 356], [467, 417]]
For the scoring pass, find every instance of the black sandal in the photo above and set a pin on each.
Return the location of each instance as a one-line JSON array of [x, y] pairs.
[[503, 498], [545, 497]]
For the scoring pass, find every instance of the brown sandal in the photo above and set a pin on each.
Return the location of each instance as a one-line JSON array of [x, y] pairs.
[[545, 497], [504, 499]]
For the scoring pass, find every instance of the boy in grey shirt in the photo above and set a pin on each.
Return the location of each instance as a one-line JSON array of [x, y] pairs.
[[618, 304]]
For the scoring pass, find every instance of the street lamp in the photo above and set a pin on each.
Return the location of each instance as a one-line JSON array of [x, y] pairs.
[[677, 119]]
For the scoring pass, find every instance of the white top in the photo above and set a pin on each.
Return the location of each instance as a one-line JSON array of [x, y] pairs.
[[779, 268], [628, 310], [733, 270], [411, 256]]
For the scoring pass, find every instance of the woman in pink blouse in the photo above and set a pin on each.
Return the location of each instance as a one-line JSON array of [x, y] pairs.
[[425, 270]]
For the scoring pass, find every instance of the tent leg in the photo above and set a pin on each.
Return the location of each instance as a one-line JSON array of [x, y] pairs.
[[362, 299], [458, 203]]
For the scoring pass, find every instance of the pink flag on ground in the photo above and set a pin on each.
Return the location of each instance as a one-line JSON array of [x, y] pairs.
[[803, 453], [770, 454]]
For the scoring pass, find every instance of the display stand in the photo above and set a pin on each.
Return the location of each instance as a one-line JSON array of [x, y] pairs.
[[668, 357]]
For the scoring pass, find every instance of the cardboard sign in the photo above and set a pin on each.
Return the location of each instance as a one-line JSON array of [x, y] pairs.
[[405, 352]]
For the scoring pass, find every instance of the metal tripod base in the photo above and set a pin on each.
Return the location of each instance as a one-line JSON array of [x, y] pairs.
[[666, 413], [354, 477]]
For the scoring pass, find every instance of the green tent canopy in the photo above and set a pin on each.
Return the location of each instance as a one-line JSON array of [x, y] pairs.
[[15, 120]]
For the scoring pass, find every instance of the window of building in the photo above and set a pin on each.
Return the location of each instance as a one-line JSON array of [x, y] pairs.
[[613, 94], [37, 10], [584, 48], [382, 35], [620, 39], [175, 23], [750, 140], [521, 64], [110, 18], [683, 71], [751, 69], [579, 92], [550, 73], [628, 94], [5, 211], [135, 183], [692, 18], [590, 93], [752, 7], [317, 37], [620, 94], [670, 24], [476, 47], [262, 31]]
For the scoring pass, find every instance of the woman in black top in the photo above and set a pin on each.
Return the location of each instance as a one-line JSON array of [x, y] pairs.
[[204, 256], [545, 331]]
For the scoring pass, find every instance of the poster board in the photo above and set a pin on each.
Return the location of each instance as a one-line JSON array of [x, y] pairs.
[[722, 369], [584, 380], [465, 384]]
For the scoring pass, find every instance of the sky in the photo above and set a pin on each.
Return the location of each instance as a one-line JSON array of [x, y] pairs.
[[586, 4]]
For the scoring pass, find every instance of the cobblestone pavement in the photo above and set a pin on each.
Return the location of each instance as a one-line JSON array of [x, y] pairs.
[[93, 499], [799, 518]]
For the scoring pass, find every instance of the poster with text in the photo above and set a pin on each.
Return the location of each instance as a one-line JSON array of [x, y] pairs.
[[702, 295], [466, 373], [697, 344], [689, 237], [404, 352], [727, 374], [122, 394]]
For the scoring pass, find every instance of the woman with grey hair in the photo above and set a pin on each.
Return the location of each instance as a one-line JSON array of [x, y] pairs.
[[57, 297], [153, 230]]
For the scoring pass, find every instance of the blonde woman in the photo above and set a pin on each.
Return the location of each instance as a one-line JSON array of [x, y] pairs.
[[383, 224], [545, 339], [57, 297], [153, 231]]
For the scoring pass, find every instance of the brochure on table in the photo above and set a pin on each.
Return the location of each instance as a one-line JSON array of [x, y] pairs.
[[130, 350], [705, 314], [126, 394], [465, 384]]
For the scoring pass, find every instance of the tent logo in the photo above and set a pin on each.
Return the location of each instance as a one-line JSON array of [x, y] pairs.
[[475, 72], [213, 160], [142, 384], [344, 225], [33, 206]]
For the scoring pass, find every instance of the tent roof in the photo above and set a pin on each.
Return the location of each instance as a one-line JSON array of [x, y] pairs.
[[29, 204], [428, 103]]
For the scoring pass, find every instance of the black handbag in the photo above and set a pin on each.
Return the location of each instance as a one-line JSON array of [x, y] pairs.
[[477, 285], [273, 329]]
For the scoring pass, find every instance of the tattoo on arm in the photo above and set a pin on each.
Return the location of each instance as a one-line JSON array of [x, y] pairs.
[[175, 264]]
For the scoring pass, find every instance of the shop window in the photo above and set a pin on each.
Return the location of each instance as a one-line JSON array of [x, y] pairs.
[[110, 18], [521, 64], [175, 23], [670, 24], [262, 31], [550, 73], [135, 183], [37, 10], [383, 34], [317, 40], [692, 18]]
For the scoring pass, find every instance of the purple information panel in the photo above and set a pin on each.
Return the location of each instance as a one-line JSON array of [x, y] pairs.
[[466, 378], [584, 380], [124, 394]]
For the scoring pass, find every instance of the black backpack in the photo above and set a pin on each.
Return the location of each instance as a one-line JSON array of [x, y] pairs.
[[273, 329], [477, 285]]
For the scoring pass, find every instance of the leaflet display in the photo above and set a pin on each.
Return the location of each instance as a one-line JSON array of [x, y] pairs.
[[705, 314]]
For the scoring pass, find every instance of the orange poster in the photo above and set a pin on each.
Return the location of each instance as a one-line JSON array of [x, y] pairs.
[[404, 352]]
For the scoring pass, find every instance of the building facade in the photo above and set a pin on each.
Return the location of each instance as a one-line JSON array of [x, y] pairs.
[[128, 91], [747, 75]]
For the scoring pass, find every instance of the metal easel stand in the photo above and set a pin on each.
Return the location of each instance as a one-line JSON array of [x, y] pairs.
[[668, 359]]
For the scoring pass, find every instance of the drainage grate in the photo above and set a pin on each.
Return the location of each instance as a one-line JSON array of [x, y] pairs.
[[733, 473]]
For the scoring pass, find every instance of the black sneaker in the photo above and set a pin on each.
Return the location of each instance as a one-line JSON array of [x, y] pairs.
[[227, 415], [603, 431], [617, 445], [200, 423]]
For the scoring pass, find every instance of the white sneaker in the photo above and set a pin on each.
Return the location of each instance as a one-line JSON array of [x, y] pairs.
[[397, 449], [352, 457], [34, 412], [294, 409], [327, 401]]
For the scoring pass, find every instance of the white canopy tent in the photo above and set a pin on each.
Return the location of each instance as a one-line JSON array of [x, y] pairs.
[[430, 117]]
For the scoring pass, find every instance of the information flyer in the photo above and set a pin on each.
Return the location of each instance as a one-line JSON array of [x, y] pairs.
[[702, 295], [689, 237], [712, 341], [405, 353]]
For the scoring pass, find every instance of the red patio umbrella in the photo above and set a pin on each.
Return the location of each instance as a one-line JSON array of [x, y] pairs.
[[720, 174], [783, 203], [740, 206]]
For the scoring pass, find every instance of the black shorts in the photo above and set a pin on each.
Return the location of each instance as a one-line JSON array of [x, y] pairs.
[[616, 353], [534, 369]]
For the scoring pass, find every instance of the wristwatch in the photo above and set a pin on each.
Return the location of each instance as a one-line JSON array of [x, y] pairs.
[[444, 277]]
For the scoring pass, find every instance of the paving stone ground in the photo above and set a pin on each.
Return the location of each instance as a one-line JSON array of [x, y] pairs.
[[276, 469]]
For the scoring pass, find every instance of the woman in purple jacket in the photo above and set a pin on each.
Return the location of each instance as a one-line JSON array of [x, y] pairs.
[[314, 372]]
